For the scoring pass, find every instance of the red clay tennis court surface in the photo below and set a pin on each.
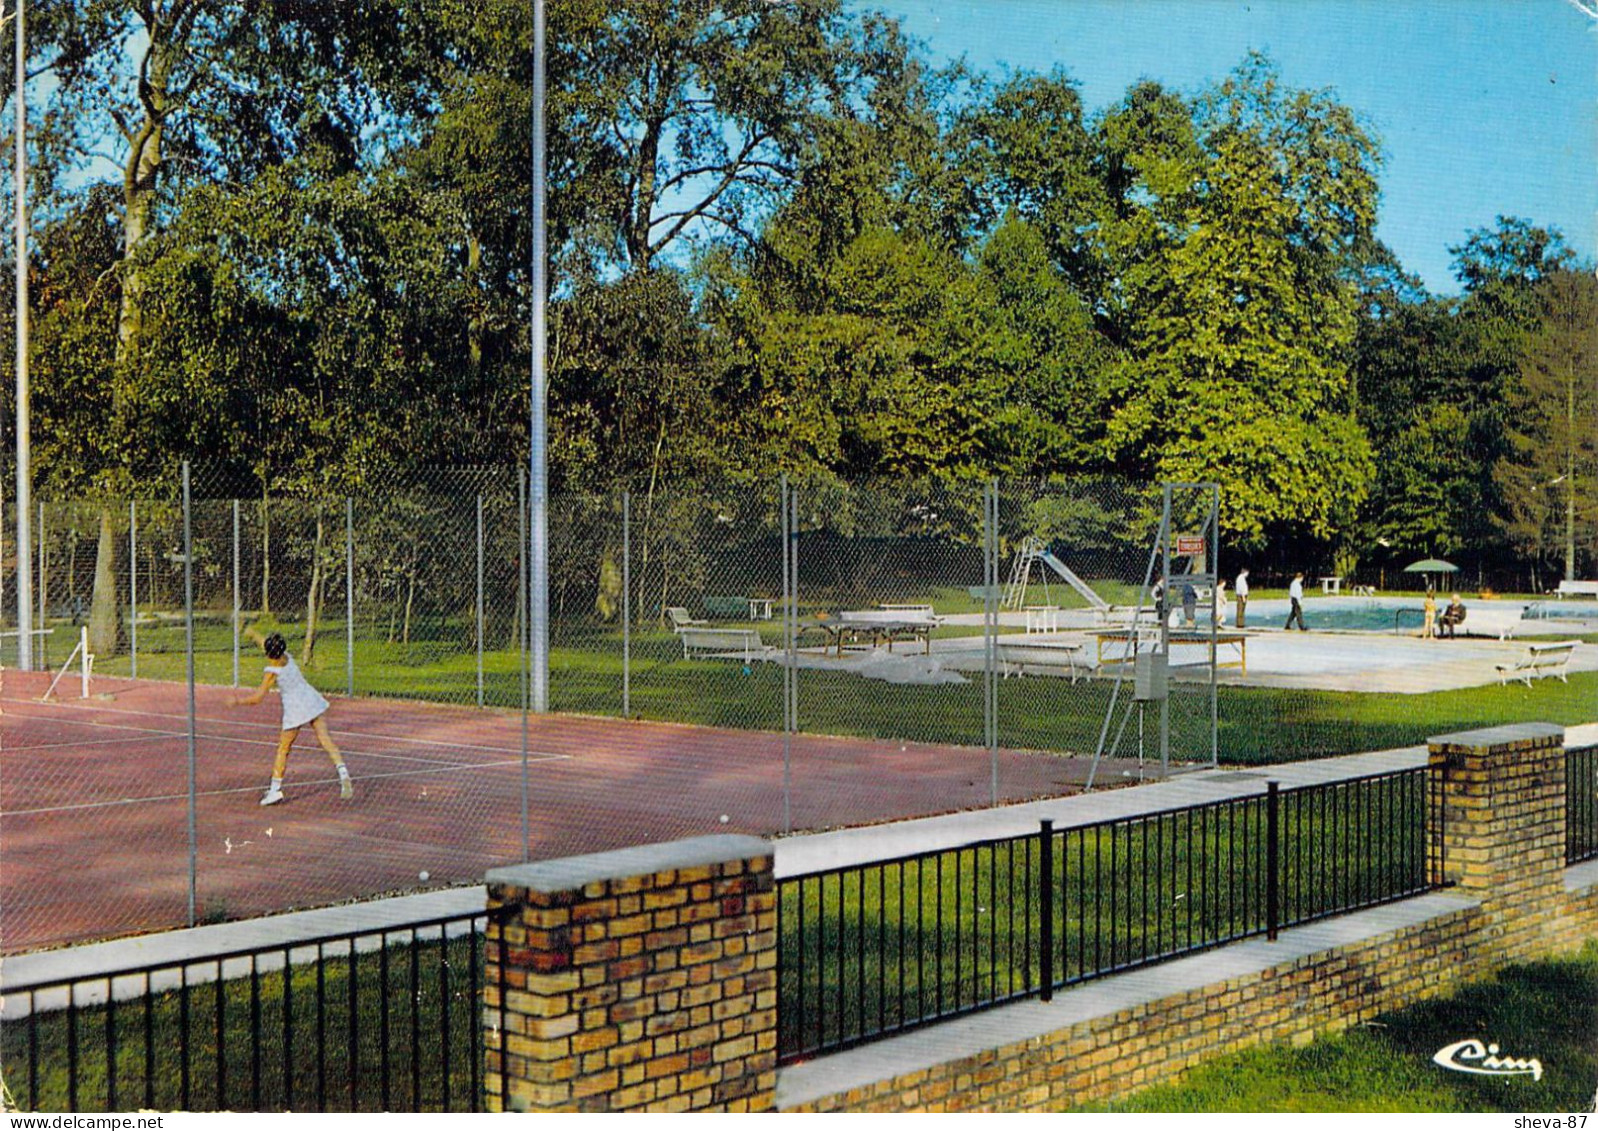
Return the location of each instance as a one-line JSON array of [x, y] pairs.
[[94, 838]]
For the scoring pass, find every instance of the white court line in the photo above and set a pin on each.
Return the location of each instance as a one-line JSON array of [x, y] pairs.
[[17, 748], [44, 810], [274, 728], [148, 733]]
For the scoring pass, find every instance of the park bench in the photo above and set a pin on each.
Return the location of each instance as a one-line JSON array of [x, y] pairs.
[[1577, 589], [1016, 656], [736, 608], [922, 612], [1539, 660], [729, 643]]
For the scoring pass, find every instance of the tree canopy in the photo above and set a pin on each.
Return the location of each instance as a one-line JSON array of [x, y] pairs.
[[292, 240]]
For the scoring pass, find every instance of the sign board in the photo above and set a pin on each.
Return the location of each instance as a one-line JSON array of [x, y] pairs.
[[1189, 545]]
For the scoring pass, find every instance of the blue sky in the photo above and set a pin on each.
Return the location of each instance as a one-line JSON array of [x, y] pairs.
[[1483, 107]]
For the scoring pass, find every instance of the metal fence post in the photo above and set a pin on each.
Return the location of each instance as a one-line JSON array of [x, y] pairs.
[[524, 643], [41, 657], [1273, 889], [626, 604], [349, 596], [479, 599], [990, 634], [133, 589], [188, 652], [236, 601], [1046, 906]]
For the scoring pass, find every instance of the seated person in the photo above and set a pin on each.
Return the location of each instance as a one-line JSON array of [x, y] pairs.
[[1453, 616]]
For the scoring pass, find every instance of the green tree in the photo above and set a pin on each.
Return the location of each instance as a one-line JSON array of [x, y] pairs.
[[1549, 474], [1239, 315]]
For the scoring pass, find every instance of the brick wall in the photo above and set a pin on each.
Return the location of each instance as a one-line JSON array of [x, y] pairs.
[[1503, 831], [640, 979]]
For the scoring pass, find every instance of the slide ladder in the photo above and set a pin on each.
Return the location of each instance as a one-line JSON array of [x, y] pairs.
[[1021, 572]]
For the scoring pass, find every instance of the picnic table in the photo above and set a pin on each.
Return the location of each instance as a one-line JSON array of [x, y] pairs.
[[1238, 640], [877, 626]]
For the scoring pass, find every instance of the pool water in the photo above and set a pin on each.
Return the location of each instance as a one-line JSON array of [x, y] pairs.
[[1561, 610], [1344, 614]]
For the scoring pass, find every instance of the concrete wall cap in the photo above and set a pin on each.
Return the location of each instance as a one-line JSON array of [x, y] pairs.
[[573, 872], [1499, 736]]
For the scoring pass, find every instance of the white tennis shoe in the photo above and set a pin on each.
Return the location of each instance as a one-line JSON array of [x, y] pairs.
[[273, 796], [346, 788]]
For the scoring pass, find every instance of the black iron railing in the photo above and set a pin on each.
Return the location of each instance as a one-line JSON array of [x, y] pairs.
[[873, 949], [1581, 804], [377, 1021]]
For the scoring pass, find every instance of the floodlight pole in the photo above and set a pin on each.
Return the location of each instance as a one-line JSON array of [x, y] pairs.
[[538, 478], [24, 457]]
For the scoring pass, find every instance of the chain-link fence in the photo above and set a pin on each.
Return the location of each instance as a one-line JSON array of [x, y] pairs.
[[764, 657]]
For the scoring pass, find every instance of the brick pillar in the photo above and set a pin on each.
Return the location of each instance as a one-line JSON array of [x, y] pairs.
[[1502, 828], [644, 979]]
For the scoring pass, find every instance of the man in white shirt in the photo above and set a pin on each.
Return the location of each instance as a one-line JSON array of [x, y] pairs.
[[1295, 593], [1242, 597]]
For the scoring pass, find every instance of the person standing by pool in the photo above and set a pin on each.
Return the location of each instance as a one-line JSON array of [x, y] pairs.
[[1428, 630], [1242, 597], [1295, 594], [1189, 604], [1220, 603]]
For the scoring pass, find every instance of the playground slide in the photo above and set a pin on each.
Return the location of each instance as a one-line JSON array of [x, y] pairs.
[[1075, 582]]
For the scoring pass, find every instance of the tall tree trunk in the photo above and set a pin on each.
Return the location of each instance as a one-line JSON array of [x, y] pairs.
[[410, 601], [140, 177], [105, 611], [313, 597]]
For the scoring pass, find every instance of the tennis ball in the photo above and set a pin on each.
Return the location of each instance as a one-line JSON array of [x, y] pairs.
[[724, 818], [422, 875]]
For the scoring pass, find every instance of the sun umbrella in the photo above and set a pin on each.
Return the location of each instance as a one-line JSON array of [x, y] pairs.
[[1432, 565]]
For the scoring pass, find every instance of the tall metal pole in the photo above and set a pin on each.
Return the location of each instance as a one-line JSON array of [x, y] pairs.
[[349, 596], [24, 457], [133, 593], [538, 480], [188, 654], [626, 604], [237, 603], [479, 610]]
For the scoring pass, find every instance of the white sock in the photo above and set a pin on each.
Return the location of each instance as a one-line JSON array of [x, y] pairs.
[[277, 786], [343, 770]]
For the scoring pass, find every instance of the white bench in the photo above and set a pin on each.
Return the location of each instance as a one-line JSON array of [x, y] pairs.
[[1539, 660], [913, 612], [1040, 654], [735, 643], [1577, 589]]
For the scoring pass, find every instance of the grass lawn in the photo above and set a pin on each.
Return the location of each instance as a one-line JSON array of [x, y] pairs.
[[1547, 1010]]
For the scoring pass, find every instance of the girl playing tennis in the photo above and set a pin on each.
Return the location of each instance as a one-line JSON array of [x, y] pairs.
[[302, 704]]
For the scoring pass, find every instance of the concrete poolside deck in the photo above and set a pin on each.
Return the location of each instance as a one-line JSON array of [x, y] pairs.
[[1323, 660]]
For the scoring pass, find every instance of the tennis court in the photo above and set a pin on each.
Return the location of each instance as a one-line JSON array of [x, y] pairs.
[[94, 799]]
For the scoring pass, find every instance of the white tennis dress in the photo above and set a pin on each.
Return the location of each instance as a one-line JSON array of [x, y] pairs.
[[301, 701]]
